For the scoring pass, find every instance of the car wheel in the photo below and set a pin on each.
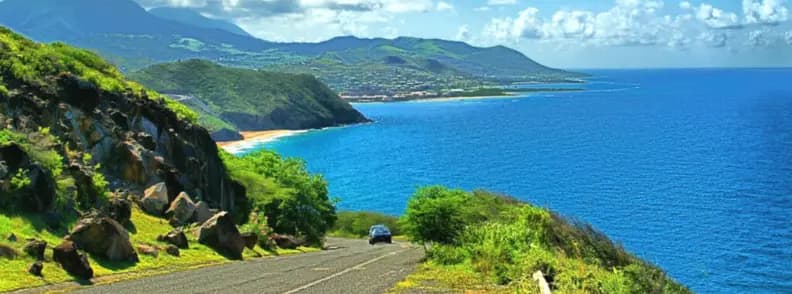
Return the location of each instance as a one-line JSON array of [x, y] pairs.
[[390, 241]]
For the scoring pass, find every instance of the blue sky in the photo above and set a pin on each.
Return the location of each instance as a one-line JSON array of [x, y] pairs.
[[567, 34]]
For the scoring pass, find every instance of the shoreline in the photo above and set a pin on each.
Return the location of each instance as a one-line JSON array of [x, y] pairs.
[[251, 139]]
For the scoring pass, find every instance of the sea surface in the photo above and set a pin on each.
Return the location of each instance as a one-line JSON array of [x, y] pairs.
[[689, 169]]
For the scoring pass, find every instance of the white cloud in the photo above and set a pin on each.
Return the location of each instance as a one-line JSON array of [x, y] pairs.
[[685, 5], [757, 38], [765, 11], [715, 18], [716, 39], [444, 6], [463, 33], [501, 2]]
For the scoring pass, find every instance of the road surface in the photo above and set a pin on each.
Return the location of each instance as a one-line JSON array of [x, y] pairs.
[[348, 266]]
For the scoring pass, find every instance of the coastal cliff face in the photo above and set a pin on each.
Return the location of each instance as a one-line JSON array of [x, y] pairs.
[[232, 99], [102, 124]]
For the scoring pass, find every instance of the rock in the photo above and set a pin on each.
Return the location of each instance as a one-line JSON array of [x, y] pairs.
[[35, 248], [130, 162], [181, 210], [12, 237], [202, 212], [74, 262], [146, 140], [104, 237], [8, 251], [175, 237], [79, 92], [36, 268], [172, 250], [286, 241], [14, 157], [251, 239], [220, 233], [120, 210], [148, 250], [155, 199], [83, 181]]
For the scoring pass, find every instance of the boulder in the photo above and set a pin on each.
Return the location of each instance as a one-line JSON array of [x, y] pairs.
[[155, 199], [148, 250], [286, 241], [119, 209], [202, 212], [104, 237], [74, 262], [35, 248], [172, 250], [36, 268], [220, 233], [251, 239], [175, 237], [8, 251], [181, 210]]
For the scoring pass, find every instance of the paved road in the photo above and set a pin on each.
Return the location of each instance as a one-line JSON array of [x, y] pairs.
[[348, 266]]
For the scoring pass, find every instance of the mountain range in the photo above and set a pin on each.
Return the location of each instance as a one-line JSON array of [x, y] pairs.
[[133, 38]]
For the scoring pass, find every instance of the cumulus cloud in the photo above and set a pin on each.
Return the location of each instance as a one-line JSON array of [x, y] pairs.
[[463, 33], [716, 39], [757, 38], [629, 22], [712, 16], [444, 6], [769, 12]]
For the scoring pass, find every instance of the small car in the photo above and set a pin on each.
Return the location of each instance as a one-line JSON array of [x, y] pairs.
[[379, 233]]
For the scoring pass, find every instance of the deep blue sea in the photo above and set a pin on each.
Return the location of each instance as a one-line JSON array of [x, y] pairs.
[[689, 169]]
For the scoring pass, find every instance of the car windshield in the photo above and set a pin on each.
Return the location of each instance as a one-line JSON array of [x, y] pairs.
[[380, 230]]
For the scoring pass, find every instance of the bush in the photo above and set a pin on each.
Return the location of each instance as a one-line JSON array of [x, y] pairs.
[[436, 215], [357, 223]]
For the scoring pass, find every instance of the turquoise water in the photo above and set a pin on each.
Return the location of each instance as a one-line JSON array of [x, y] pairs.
[[690, 169]]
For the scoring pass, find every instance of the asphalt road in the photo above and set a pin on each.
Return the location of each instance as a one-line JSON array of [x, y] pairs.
[[348, 266]]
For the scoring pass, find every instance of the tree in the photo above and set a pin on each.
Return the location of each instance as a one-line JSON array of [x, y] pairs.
[[436, 215]]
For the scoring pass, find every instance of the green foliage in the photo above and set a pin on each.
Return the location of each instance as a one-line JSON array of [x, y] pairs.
[[38, 145], [224, 92], [38, 64], [436, 214], [258, 224], [20, 180], [293, 201], [357, 223], [505, 241]]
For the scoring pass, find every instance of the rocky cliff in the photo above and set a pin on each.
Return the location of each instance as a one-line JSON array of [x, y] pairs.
[[105, 125]]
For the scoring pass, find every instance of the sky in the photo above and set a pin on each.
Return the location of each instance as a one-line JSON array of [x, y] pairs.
[[565, 34]]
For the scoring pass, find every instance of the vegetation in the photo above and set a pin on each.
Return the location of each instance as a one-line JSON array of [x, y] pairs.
[[485, 241], [33, 63], [356, 224], [283, 193], [249, 99]]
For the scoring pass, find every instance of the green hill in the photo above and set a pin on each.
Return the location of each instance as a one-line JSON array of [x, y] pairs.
[[250, 100]]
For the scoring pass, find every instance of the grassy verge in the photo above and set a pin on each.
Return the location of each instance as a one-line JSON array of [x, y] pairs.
[[144, 230]]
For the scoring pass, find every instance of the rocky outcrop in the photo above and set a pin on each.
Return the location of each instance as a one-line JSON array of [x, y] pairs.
[[181, 210], [35, 248], [220, 233], [176, 238], [155, 199], [119, 209], [71, 260], [39, 194], [286, 241], [202, 212], [103, 237]]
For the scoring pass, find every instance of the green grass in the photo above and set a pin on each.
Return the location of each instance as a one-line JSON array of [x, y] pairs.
[[145, 230]]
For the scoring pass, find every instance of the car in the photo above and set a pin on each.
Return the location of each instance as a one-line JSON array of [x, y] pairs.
[[379, 233]]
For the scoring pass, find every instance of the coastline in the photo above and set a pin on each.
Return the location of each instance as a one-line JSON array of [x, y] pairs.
[[255, 138]]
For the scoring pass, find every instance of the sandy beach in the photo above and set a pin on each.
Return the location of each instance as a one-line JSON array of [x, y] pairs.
[[255, 138]]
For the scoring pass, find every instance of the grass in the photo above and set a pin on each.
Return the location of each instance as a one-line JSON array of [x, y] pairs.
[[144, 231]]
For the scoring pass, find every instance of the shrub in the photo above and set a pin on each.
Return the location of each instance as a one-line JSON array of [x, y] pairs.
[[436, 215], [357, 223]]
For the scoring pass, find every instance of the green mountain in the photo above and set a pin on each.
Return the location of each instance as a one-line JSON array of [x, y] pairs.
[[191, 17], [134, 38], [249, 100]]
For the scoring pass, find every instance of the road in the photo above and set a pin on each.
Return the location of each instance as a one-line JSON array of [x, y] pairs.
[[348, 266]]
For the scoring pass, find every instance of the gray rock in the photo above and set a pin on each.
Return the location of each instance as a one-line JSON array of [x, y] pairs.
[[220, 233], [155, 199], [104, 237]]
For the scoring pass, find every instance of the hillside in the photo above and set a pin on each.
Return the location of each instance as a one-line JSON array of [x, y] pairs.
[[101, 176], [193, 18], [134, 38], [250, 100]]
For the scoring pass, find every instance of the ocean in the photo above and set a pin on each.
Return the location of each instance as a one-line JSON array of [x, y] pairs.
[[690, 169]]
